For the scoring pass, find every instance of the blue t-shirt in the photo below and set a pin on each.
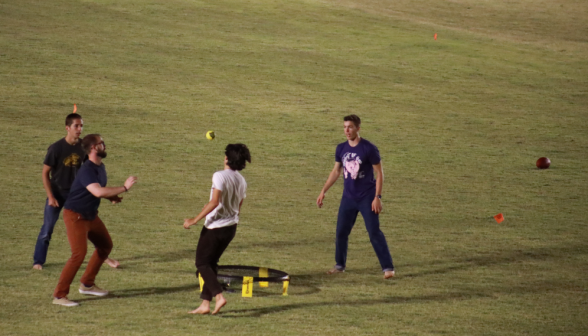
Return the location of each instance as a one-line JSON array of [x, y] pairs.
[[80, 199], [358, 170]]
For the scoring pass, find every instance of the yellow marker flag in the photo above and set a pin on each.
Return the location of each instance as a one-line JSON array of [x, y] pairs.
[[263, 274], [285, 288], [201, 281], [247, 287]]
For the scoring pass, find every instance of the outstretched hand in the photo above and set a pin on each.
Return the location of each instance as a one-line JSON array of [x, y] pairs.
[[130, 181]]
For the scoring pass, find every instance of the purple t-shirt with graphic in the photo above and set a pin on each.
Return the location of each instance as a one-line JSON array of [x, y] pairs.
[[357, 165]]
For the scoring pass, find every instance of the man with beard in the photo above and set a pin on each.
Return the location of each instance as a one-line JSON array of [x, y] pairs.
[[82, 221], [362, 192], [62, 162]]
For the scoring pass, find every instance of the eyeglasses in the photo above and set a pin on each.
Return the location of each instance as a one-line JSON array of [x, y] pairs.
[[101, 143]]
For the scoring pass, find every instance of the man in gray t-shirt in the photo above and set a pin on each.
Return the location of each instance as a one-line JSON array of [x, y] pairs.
[[60, 167]]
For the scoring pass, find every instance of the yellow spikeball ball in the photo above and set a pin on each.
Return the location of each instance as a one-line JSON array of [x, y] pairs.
[[210, 135]]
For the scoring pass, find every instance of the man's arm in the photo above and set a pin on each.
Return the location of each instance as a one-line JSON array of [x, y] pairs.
[[211, 205], [333, 176], [377, 203], [110, 192], [47, 185]]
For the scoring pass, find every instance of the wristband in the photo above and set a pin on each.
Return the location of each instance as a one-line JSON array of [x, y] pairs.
[[125, 188], [379, 196]]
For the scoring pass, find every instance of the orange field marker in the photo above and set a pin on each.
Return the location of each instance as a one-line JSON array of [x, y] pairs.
[[499, 218]]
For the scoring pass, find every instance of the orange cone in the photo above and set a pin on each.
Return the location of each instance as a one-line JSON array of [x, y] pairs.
[[75, 108], [499, 218], [435, 37]]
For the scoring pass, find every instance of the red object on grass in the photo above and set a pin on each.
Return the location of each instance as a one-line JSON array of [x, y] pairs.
[[499, 218], [543, 163]]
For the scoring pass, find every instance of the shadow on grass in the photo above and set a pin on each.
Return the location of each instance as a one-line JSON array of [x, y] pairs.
[[502, 258], [138, 260], [258, 312], [302, 285], [137, 292], [159, 257]]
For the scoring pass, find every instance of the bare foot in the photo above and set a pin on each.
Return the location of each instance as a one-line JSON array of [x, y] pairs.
[[220, 302], [37, 267], [335, 270], [203, 309], [388, 274], [200, 310], [112, 263]]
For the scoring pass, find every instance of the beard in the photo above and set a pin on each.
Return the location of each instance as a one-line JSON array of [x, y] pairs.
[[102, 154]]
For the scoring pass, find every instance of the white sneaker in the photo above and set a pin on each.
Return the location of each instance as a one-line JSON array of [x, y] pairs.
[[94, 290], [64, 301]]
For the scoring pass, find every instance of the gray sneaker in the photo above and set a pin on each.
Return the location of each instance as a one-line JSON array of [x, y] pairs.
[[94, 290], [64, 301]]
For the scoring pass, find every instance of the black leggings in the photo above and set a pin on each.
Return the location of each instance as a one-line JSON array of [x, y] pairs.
[[211, 245]]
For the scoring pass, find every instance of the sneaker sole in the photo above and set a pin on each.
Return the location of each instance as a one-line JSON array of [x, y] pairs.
[[74, 304], [92, 293]]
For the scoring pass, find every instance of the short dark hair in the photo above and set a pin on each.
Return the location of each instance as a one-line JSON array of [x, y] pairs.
[[354, 119], [237, 154], [71, 117], [90, 140]]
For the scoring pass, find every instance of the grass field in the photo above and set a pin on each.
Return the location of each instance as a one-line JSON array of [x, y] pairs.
[[459, 122]]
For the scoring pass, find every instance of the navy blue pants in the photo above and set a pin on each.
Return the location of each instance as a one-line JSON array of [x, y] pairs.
[[348, 211], [50, 217]]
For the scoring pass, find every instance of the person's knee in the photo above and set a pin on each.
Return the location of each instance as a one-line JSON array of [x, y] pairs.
[[104, 251], [374, 232], [342, 234], [45, 235], [77, 258], [203, 267]]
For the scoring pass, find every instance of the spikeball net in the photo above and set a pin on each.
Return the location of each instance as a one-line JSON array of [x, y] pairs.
[[231, 276]]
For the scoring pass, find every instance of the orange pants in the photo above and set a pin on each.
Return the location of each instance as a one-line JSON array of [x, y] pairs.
[[79, 230]]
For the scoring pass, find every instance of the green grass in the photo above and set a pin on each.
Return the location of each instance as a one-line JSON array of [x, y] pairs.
[[459, 122]]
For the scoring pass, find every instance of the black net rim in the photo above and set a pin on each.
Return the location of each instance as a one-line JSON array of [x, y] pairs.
[[282, 276]]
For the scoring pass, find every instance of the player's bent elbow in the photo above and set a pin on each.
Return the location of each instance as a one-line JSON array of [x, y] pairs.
[[96, 190], [99, 194]]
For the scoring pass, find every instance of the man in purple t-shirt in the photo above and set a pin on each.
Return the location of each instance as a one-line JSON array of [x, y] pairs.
[[357, 158]]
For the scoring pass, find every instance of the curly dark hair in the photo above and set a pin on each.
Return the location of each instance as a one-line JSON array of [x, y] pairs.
[[237, 154]]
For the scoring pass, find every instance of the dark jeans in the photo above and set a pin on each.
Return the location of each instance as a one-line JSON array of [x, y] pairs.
[[50, 217], [348, 211], [211, 245]]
